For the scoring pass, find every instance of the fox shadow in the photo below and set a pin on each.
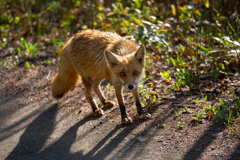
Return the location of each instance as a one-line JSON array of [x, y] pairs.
[[32, 143], [33, 139]]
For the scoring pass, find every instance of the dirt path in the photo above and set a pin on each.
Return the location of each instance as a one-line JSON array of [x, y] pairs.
[[33, 126]]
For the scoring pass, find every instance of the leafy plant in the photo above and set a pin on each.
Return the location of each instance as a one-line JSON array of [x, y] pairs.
[[151, 97], [197, 101], [31, 49], [223, 113], [205, 99], [141, 86], [187, 110], [184, 75], [187, 78], [28, 65], [211, 108], [166, 75], [180, 124], [177, 85], [2, 44], [200, 117], [109, 89]]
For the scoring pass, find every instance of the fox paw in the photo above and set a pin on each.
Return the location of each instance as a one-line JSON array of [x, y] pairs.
[[126, 120], [145, 116], [108, 104], [98, 112]]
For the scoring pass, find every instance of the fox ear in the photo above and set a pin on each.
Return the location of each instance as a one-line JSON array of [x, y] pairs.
[[140, 54], [111, 58]]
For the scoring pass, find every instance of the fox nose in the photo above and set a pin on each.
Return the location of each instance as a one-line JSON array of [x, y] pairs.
[[130, 86]]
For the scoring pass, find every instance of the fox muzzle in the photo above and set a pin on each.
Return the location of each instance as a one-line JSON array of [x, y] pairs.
[[130, 86]]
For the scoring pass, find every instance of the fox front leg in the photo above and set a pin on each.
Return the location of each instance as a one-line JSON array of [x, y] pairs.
[[141, 113], [88, 94], [119, 94], [98, 91]]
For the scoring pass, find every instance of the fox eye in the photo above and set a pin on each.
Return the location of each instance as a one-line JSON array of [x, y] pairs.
[[122, 74], [135, 72]]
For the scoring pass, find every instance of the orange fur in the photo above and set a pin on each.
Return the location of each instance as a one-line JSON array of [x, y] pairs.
[[96, 55], [66, 78]]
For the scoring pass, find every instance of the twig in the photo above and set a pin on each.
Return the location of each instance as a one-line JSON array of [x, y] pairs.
[[48, 74], [184, 105]]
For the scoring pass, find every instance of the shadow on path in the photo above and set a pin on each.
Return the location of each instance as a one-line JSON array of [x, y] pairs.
[[35, 135], [236, 154], [99, 152], [61, 148], [203, 142]]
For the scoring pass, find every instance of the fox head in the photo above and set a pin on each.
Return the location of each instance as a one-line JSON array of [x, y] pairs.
[[128, 68]]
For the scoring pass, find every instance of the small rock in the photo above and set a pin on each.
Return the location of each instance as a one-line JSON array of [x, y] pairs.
[[141, 139], [217, 134]]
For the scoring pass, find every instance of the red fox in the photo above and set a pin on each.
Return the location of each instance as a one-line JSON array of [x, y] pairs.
[[93, 56]]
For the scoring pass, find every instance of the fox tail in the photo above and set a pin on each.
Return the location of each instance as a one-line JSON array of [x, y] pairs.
[[66, 78]]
